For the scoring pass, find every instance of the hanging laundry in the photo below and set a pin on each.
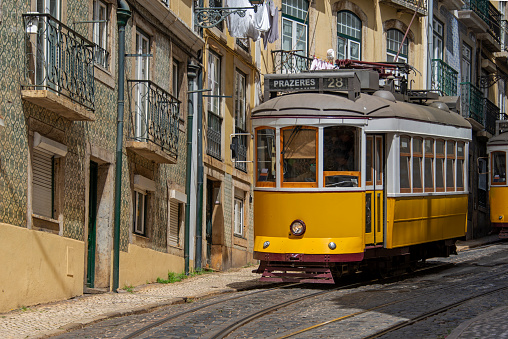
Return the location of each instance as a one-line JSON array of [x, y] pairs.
[[273, 33], [262, 18], [241, 27], [318, 64]]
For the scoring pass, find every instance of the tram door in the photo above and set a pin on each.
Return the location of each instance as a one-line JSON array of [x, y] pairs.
[[374, 190]]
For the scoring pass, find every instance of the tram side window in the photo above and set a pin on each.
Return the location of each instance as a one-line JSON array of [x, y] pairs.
[[417, 165], [405, 164], [450, 165], [440, 165], [460, 166], [299, 155], [340, 157], [429, 165], [498, 168], [265, 141]]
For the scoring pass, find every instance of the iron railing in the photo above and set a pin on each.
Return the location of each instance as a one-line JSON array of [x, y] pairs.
[[491, 112], [444, 77], [241, 152], [494, 21], [286, 62], [155, 116], [471, 101], [101, 56], [502, 116], [504, 35], [214, 136], [419, 6], [480, 7], [58, 59]]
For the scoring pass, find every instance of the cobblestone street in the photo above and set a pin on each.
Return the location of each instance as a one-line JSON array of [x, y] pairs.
[[438, 302]]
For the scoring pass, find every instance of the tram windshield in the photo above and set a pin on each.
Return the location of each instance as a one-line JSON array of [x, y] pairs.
[[340, 157], [299, 154], [265, 143], [498, 168]]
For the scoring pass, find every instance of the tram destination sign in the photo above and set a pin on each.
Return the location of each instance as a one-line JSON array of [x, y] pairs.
[[311, 83]]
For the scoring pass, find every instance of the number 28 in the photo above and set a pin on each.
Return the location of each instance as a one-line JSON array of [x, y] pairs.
[[335, 83]]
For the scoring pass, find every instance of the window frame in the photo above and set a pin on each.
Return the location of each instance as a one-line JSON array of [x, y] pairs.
[[463, 165], [499, 183], [443, 157], [429, 157], [145, 202], [438, 39], [419, 157], [392, 53], [265, 183], [101, 40], [372, 159], [409, 164], [239, 201], [299, 184], [349, 38], [453, 170]]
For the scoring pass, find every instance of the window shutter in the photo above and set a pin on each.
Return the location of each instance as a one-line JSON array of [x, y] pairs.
[[42, 183], [174, 222]]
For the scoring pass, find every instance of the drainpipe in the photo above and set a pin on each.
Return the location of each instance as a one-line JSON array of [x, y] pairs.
[[192, 71], [430, 42], [199, 207], [123, 14]]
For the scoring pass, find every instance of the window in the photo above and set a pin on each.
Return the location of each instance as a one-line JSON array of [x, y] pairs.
[[498, 168], [294, 25], [369, 161], [214, 136], [438, 39], [176, 88], [340, 157], [140, 213], [466, 63], [299, 160], [460, 166], [175, 222], [100, 33], [417, 165], [393, 41], [265, 155], [349, 36], [405, 164], [243, 43], [141, 98], [53, 7], [440, 155], [450, 165], [238, 216], [429, 165], [240, 120], [49, 61], [502, 96]]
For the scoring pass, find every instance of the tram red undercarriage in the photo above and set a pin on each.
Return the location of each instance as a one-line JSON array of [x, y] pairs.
[[324, 268]]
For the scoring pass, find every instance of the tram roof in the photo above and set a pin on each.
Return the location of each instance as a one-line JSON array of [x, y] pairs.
[[304, 104], [500, 139]]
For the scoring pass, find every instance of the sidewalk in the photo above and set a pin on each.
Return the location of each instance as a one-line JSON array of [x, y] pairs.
[[54, 318]]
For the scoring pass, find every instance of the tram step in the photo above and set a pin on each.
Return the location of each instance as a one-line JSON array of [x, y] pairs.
[[503, 234], [320, 275]]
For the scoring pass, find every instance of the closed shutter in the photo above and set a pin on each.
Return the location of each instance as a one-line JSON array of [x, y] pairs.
[[174, 222], [42, 180]]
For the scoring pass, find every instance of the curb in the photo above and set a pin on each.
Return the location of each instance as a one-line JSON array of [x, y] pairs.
[[457, 332]]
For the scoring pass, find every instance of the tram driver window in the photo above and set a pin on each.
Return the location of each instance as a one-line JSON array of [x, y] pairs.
[[498, 168], [340, 157], [299, 160], [265, 138]]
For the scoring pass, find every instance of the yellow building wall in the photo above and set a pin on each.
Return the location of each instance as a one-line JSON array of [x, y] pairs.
[[38, 267], [143, 265], [498, 197], [415, 220]]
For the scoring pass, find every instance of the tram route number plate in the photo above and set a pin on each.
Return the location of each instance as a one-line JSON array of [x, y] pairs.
[[298, 84]]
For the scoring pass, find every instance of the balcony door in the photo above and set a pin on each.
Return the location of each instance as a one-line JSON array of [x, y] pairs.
[[294, 33], [48, 38], [142, 90]]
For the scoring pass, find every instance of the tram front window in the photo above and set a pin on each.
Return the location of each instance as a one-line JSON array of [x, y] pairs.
[[340, 157], [299, 154], [265, 142], [498, 168]]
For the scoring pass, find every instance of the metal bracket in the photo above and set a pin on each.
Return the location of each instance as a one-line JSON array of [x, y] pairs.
[[487, 81], [212, 16]]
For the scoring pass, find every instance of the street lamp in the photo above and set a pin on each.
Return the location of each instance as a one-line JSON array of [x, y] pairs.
[[212, 16]]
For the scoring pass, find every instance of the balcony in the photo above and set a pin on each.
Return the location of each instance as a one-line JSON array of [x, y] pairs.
[[491, 113], [452, 5], [153, 127], [59, 68], [472, 104], [214, 136], [492, 39], [503, 55], [444, 78], [408, 6], [474, 15], [286, 62]]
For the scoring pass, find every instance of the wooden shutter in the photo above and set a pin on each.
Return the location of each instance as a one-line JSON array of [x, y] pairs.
[[174, 222], [42, 182]]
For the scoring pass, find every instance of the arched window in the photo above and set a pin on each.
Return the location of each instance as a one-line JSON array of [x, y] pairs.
[[393, 40], [349, 36]]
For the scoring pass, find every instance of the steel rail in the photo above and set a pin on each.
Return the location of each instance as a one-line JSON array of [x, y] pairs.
[[408, 322], [195, 309]]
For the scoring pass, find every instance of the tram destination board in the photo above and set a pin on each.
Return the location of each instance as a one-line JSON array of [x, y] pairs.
[[313, 84]]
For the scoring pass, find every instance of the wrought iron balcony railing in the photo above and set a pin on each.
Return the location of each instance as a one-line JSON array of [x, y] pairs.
[[471, 102], [154, 117], [491, 112], [494, 21], [444, 77], [409, 6], [502, 116], [480, 7], [58, 59], [214, 136], [290, 62]]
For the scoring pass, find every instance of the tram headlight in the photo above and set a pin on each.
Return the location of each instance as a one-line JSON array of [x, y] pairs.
[[297, 227]]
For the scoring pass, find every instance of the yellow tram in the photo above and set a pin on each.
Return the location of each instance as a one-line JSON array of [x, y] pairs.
[[348, 175], [498, 188]]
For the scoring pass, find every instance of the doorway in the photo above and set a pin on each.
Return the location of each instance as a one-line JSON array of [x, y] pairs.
[[374, 194], [92, 224]]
